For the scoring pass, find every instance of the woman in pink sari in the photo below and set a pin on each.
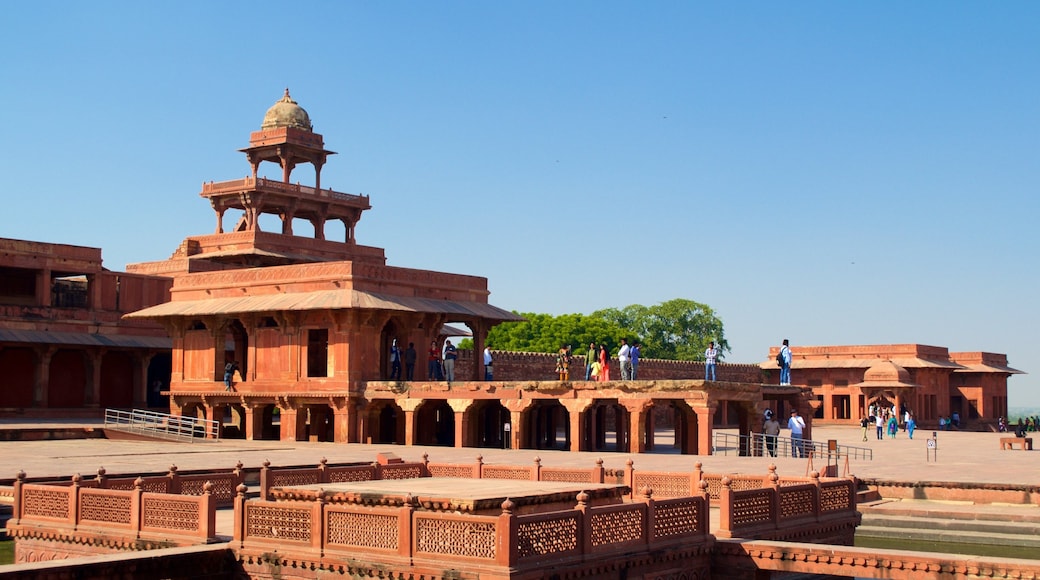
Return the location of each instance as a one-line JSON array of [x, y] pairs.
[[604, 363]]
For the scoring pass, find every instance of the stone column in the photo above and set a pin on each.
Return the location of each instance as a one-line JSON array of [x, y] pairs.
[[289, 418], [637, 410], [576, 409], [43, 376], [92, 390], [344, 415], [43, 288], [704, 412], [409, 406], [253, 420], [460, 406]]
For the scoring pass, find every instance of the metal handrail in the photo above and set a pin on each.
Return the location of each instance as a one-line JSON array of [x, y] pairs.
[[757, 445], [162, 425]]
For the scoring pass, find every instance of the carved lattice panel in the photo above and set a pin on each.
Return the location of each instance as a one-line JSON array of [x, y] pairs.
[[752, 508], [287, 478], [796, 502], [169, 513], [458, 471], [45, 503], [663, 484], [278, 522], [402, 472], [504, 472], [835, 498], [455, 537], [677, 517], [96, 507], [544, 537], [348, 474], [616, 526], [714, 485], [741, 483], [362, 530], [567, 475]]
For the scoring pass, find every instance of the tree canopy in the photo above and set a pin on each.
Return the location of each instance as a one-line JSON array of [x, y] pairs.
[[678, 329]]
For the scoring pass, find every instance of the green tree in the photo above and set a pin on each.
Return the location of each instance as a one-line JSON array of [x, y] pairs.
[[547, 333], [678, 329]]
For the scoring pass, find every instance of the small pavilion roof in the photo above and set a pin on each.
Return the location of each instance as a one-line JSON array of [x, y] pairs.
[[325, 300]]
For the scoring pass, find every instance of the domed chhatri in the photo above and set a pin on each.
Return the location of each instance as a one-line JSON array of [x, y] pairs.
[[887, 372], [287, 113]]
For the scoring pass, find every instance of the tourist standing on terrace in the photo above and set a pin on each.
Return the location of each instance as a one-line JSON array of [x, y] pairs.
[[433, 370], [590, 357], [709, 362], [450, 354], [771, 428], [487, 364], [410, 357], [879, 422], [624, 360], [604, 363], [864, 422], [229, 374], [563, 363], [785, 363], [634, 352], [797, 426], [395, 361]]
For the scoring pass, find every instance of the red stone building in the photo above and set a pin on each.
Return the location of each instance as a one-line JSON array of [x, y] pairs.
[[64, 349], [930, 381], [306, 318]]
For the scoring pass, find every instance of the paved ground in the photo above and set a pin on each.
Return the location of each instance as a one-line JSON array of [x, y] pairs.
[[962, 456]]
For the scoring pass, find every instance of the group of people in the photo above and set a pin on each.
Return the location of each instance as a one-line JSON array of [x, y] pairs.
[[951, 422], [440, 364], [887, 419], [1027, 425], [771, 431], [597, 362]]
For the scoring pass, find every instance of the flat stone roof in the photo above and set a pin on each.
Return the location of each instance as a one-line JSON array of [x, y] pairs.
[[455, 494]]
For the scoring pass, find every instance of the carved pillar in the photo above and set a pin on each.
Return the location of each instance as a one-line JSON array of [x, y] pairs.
[[409, 406], [43, 376], [518, 432], [289, 418], [92, 390], [460, 407], [479, 328], [253, 421], [141, 386], [638, 411], [705, 413], [577, 408], [43, 288]]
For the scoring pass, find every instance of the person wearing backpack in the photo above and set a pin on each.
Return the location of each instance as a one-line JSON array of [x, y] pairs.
[[783, 358], [229, 373]]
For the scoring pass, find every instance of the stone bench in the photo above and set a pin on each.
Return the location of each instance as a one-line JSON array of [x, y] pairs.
[[1026, 443]]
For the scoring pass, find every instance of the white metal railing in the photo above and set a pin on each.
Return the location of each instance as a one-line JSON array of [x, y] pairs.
[[759, 445], [163, 425]]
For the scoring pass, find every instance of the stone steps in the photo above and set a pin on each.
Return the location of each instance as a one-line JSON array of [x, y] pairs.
[[1012, 526]]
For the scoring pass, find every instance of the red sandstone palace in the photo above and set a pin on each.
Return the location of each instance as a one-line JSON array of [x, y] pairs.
[[310, 321]]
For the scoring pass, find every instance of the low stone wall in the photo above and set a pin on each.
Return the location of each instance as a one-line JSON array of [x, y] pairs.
[[532, 366], [955, 491]]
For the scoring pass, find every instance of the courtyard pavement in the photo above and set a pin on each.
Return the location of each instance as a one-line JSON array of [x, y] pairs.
[[961, 456]]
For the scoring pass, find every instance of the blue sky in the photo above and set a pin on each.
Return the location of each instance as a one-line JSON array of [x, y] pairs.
[[828, 172]]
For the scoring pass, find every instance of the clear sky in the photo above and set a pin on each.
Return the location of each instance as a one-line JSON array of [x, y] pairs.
[[827, 172]]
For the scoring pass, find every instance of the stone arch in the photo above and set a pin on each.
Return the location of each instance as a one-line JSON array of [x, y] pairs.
[[391, 331], [676, 421], [435, 423], [606, 426], [386, 422], [68, 379], [117, 379], [19, 367], [237, 338], [233, 424], [486, 420], [160, 369], [547, 426]]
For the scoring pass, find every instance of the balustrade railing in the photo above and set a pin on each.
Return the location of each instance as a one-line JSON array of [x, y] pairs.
[[128, 515], [508, 539]]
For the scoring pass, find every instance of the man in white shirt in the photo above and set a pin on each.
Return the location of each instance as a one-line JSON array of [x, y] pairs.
[[625, 361], [709, 362], [797, 425], [487, 364]]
